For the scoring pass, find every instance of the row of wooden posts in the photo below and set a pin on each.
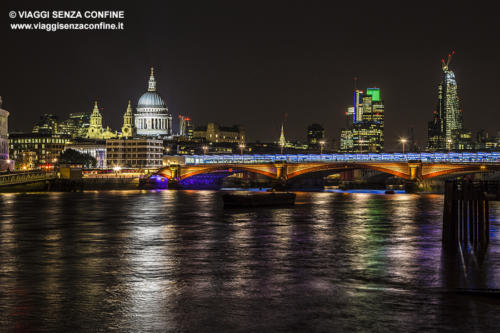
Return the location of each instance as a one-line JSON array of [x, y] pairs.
[[466, 213]]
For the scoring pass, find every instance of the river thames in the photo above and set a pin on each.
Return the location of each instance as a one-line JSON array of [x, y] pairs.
[[140, 261]]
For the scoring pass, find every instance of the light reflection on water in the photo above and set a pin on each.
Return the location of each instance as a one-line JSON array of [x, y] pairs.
[[176, 260]]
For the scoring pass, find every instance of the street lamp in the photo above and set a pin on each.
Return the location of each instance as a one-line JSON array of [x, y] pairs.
[[205, 148], [449, 141], [361, 146], [403, 142], [321, 146], [167, 150], [242, 147]]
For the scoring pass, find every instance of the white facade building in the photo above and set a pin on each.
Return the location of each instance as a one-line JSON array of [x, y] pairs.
[[5, 162], [152, 118]]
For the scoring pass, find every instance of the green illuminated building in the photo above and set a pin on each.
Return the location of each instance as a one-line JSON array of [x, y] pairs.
[[365, 130]]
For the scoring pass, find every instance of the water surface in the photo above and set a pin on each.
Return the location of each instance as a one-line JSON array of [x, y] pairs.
[[178, 261]]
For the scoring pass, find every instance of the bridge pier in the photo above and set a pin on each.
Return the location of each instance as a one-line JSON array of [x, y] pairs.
[[412, 186]]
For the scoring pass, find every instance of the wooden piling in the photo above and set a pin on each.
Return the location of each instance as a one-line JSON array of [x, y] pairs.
[[466, 213]]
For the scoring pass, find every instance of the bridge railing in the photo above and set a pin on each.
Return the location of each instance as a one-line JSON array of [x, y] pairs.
[[451, 157], [24, 177]]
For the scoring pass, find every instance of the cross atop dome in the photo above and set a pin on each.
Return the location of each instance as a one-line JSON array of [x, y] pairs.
[[152, 81]]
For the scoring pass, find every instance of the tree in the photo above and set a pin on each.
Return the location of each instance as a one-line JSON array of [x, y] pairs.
[[71, 156]]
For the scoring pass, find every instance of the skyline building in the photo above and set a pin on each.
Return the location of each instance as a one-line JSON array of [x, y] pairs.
[[216, 133], [445, 129], [185, 127], [48, 124], [152, 118], [315, 133], [365, 123]]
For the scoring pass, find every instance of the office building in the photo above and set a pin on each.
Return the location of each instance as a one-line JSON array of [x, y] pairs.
[[364, 132], [143, 153], [36, 149], [315, 134]]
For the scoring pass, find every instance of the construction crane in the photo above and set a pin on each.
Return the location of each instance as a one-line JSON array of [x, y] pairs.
[[444, 63]]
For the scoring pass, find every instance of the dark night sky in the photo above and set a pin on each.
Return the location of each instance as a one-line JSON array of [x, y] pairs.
[[249, 62]]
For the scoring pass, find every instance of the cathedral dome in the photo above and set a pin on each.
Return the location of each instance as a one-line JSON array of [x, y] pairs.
[[152, 118], [151, 99]]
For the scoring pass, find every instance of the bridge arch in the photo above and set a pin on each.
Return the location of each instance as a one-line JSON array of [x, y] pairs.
[[190, 171], [435, 171], [344, 167]]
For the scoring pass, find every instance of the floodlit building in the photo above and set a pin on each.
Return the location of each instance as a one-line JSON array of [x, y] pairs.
[[94, 148], [5, 161], [215, 133], [152, 117], [96, 131], [42, 150], [128, 129]]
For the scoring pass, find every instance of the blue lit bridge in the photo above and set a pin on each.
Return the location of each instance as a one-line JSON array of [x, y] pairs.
[[411, 166]]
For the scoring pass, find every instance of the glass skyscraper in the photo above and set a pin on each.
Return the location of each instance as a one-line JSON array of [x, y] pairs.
[[447, 122]]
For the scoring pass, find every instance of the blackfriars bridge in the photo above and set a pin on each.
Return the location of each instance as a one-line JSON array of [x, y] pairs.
[[411, 166]]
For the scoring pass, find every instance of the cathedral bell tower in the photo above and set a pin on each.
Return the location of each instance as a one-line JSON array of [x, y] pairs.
[[95, 128], [128, 128]]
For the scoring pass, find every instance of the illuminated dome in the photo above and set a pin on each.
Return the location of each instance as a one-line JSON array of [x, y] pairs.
[[152, 117], [151, 99]]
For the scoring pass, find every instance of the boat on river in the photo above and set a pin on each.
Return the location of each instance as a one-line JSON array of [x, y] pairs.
[[258, 199]]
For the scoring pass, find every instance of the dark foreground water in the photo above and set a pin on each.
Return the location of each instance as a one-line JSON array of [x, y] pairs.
[[132, 261]]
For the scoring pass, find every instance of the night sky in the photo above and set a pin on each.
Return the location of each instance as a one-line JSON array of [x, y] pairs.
[[250, 62]]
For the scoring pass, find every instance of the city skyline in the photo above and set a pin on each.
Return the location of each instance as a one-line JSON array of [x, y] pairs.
[[249, 80]]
